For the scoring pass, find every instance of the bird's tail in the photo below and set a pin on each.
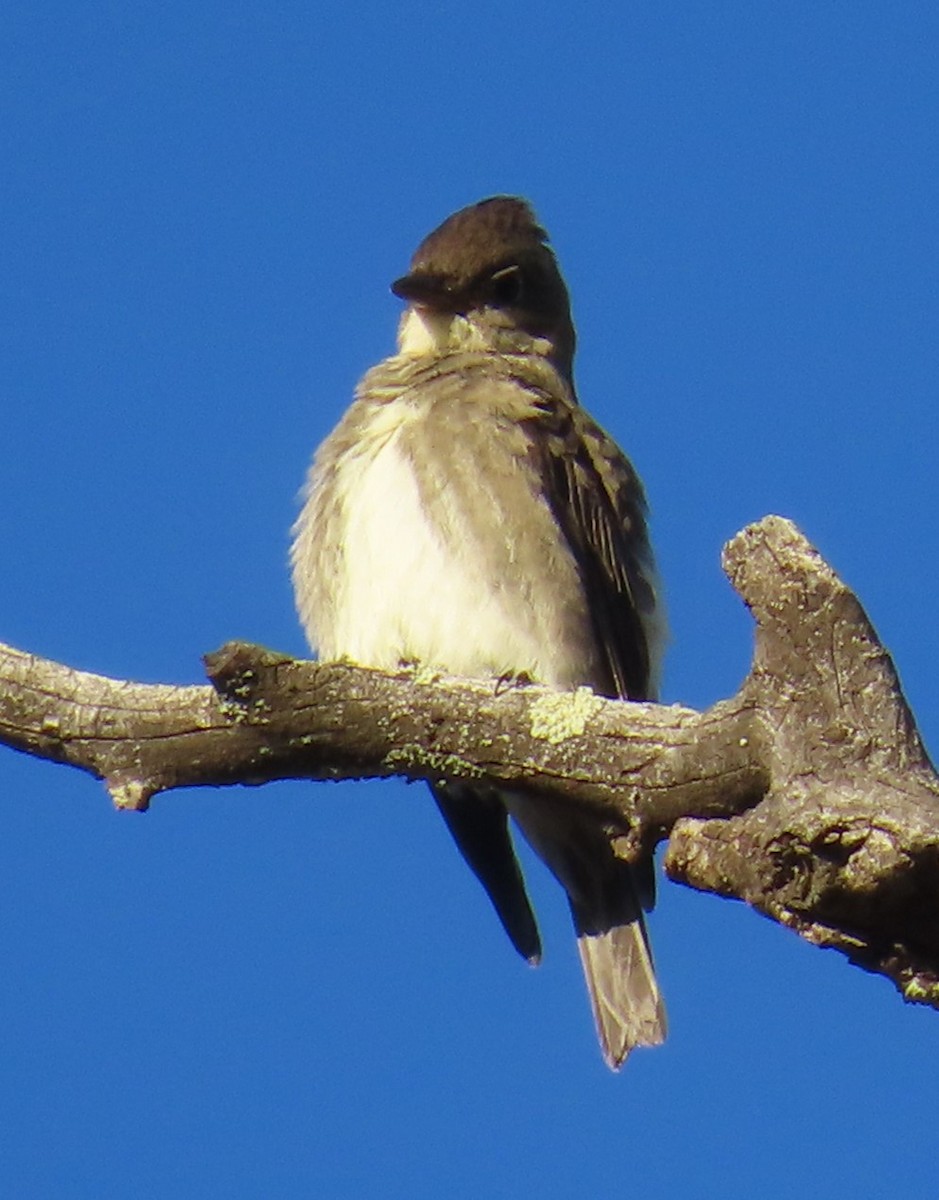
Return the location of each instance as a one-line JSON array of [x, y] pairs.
[[624, 993], [607, 896]]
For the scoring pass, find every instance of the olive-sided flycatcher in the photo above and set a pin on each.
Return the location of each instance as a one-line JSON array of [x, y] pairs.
[[468, 515]]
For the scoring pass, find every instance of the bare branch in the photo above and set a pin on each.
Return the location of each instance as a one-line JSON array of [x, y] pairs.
[[808, 794]]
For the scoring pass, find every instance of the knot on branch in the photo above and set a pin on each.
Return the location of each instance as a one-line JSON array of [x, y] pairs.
[[241, 673]]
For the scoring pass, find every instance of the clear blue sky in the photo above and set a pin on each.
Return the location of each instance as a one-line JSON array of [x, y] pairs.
[[299, 991]]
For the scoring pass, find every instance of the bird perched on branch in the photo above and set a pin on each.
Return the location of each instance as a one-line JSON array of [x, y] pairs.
[[468, 515]]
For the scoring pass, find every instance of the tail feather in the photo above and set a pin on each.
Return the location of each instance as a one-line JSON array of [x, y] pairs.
[[624, 995], [606, 896]]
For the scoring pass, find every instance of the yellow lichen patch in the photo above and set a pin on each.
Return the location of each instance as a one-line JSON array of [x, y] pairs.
[[425, 676], [556, 718], [919, 992], [412, 759]]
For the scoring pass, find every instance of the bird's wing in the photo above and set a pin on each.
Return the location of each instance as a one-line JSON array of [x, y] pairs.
[[478, 823], [599, 503]]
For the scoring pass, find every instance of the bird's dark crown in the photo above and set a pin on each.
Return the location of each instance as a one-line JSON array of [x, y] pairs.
[[475, 238], [494, 255]]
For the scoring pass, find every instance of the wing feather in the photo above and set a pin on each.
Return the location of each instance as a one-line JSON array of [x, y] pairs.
[[599, 503]]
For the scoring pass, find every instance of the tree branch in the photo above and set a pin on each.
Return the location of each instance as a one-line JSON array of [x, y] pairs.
[[808, 794]]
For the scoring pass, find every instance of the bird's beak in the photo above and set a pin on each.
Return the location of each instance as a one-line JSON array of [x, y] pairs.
[[423, 290]]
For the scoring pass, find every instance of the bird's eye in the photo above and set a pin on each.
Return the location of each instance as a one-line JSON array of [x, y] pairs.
[[507, 287]]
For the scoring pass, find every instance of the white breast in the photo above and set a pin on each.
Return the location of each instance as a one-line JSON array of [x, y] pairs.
[[404, 592]]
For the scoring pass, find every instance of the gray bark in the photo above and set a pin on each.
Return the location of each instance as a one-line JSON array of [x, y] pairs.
[[808, 794]]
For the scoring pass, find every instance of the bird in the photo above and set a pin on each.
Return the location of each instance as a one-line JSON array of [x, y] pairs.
[[468, 515]]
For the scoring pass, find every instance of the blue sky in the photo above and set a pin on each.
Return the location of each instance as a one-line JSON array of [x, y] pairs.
[[299, 990]]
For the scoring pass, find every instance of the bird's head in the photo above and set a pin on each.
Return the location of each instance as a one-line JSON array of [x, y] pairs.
[[487, 280]]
